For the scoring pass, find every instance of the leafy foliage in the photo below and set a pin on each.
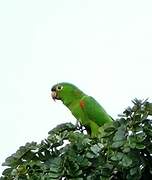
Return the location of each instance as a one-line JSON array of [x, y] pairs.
[[123, 150]]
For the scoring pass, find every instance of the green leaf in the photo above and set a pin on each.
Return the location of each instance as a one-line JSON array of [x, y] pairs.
[[148, 107], [83, 162], [140, 146], [120, 134], [126, 161], [62, 127], [117, 144], [108, 128], [141, 136], [7, 171], [76, 179], [90, 155], [56, 165], [133, 171], [123, 150], [117, 156], [95, 149], [126, 149]]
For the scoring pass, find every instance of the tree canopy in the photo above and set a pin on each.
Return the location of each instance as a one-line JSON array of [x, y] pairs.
[[123, 150]]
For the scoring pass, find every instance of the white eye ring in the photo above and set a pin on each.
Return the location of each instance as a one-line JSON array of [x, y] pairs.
[[59, 87]]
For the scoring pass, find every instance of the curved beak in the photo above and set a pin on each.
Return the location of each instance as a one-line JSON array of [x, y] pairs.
[[54, 95]]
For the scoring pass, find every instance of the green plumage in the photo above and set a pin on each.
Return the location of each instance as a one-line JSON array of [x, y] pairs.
[[85, 108]]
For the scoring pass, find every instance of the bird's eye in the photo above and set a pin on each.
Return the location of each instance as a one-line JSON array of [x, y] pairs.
[[59, 88]]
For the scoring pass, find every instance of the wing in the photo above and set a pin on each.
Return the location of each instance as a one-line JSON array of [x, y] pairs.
[[94, 111]]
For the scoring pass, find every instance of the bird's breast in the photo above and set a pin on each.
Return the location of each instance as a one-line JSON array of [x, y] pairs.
[[78, 113]]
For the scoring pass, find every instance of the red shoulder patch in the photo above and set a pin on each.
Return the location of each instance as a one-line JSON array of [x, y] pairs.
[[82, 104]]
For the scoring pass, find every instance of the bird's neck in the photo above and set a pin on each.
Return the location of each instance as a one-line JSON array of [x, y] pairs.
[[71, 100], [71, 104]]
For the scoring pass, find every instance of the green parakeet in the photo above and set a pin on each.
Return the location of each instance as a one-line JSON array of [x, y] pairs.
[[84, 108]]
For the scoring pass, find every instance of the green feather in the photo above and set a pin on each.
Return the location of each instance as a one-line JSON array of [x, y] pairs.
[[91, 114]]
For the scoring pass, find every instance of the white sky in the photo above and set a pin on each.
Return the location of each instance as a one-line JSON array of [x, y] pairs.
[[103, 47]]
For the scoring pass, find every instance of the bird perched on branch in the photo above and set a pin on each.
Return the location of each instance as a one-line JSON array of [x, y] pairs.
[[85, 108]]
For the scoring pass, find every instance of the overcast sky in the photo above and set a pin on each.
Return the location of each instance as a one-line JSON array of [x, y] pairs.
[[103, 47]]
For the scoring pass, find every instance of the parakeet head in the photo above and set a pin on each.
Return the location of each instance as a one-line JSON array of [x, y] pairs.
[[66, 92]]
